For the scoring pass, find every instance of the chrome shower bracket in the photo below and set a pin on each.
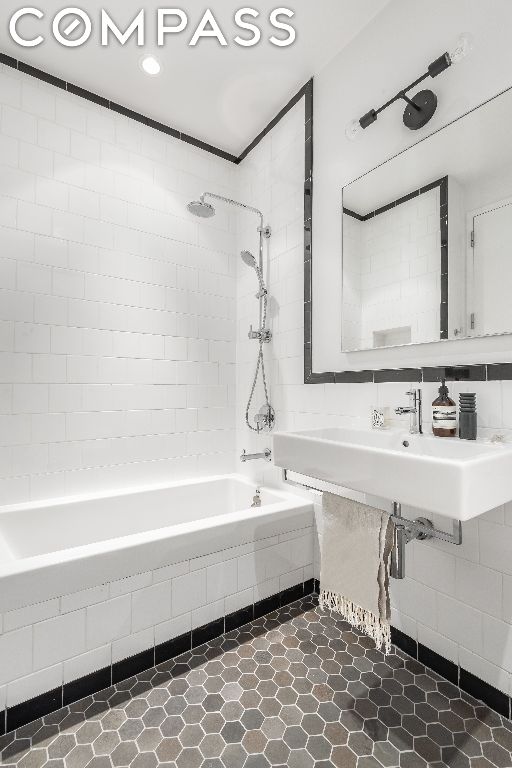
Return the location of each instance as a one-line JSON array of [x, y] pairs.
[[265, 231]]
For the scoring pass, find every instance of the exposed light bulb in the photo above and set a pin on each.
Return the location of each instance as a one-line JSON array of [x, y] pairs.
[[150, 65], [353, 131], [463, 48]]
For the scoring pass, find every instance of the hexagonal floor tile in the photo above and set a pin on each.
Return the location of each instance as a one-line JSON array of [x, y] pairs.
[[297, 689]]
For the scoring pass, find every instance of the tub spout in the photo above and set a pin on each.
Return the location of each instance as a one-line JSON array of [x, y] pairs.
[[267, 455]]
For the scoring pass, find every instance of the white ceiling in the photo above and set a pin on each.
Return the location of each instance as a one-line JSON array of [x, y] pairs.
[[224, 96]]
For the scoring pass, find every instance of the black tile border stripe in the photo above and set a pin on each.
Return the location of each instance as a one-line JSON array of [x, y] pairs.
[[476, 372], [46, 703], [76, 90], [442, 183], [293, 101], [112, 105]]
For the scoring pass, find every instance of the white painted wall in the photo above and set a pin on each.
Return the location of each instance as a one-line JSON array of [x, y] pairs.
[[117, 307], [366, 74]]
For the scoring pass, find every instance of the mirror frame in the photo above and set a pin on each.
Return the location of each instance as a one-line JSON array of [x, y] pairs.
[[473, 372]]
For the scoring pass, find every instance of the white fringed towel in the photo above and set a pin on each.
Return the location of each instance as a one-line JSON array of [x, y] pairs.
[[354, 580]]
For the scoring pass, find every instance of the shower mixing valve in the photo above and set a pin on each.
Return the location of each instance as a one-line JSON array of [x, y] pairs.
[[264, 335]]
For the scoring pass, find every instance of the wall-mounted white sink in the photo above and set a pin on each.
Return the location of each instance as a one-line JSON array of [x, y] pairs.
[[449, 476]]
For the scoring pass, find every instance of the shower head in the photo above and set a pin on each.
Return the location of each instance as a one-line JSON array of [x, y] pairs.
[[201, 209], [249, 259]]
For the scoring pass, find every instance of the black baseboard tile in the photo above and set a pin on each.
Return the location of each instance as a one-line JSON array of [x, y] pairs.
[[42, 705], [291, 595], [133, 665], [207, 632], [444, 667], [172, 648], [268, 605], [239, 618], [494, 699], [86, 686], [404, 642], [22, 714]]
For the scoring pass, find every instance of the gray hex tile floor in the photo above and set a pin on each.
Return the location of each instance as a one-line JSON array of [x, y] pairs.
[[297, 688]]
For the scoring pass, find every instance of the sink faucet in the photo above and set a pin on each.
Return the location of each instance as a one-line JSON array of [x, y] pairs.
[[414, 410]]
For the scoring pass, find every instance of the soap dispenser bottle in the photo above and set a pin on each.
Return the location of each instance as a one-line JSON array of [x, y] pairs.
[[444, 414]]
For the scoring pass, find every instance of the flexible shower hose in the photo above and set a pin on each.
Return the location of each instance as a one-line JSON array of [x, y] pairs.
[[259, 364]]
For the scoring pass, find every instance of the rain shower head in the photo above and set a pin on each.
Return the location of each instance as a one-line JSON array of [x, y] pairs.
[[201, 208]]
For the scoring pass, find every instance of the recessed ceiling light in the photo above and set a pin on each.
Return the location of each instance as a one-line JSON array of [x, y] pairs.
[[150, 65]]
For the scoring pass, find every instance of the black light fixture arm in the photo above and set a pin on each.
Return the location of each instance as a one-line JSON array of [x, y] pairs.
[[434, 69]]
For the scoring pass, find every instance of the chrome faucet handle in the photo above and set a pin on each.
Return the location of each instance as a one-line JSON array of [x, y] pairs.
[[415, 410]]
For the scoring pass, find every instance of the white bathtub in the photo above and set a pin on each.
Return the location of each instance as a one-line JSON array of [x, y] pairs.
[[62, 546]]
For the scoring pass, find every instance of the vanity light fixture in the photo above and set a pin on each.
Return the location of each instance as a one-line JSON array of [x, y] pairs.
[[422, 106], [150, 65]]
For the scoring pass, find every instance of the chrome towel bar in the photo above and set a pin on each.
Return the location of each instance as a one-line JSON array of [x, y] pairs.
[[405, 530]]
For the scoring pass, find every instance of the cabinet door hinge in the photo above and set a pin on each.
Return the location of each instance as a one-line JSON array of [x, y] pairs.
[[472, 321], [473, 238]]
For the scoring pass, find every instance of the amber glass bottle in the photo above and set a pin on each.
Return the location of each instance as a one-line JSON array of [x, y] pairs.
[[444, 414]]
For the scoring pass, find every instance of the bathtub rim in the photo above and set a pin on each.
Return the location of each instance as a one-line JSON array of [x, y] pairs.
[[115, 558], [58, 501]]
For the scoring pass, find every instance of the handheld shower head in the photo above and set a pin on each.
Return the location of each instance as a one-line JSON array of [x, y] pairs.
[[249, 259], [201, 209]]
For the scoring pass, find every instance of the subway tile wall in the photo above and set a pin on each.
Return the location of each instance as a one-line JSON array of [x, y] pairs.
[[455, 600], [50, 644], [119, 335], [117, 307], [392, 275]]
